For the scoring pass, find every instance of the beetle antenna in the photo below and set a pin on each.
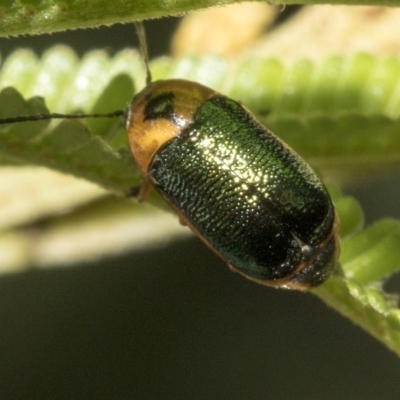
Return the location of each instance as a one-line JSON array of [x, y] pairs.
[[141, 32], [41, 117]]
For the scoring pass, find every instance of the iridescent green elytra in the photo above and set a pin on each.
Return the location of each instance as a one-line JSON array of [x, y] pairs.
[[244, 192]]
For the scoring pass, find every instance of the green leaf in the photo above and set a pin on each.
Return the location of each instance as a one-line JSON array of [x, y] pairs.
[[359, 84], [95, 150], [344, 145], [350, 212], [67, 83], [366, 258], [36, 17], [373, 254], [68, 147], [365, 306]]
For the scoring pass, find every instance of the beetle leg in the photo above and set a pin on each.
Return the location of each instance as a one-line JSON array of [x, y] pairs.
[[145, 188], [140, 193]]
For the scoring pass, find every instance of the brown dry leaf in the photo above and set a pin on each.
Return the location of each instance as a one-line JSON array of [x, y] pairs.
[[318, 31], [222, 30]]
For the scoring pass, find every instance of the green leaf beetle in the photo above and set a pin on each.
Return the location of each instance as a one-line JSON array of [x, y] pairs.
[[245, 193], [237, 186], [240, 189]]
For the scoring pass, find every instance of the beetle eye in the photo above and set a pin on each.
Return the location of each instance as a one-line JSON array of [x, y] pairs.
[[160, 106]]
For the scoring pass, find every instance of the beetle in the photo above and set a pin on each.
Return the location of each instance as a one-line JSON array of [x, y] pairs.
[[240, 189], [237, 186]]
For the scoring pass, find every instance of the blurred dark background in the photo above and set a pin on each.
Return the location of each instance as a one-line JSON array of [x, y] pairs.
[[175, 322]]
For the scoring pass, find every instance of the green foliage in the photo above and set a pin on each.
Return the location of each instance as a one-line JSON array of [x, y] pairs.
[[367, 256], [36, 17], [308, 106], [343, 144], [96, 150]]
